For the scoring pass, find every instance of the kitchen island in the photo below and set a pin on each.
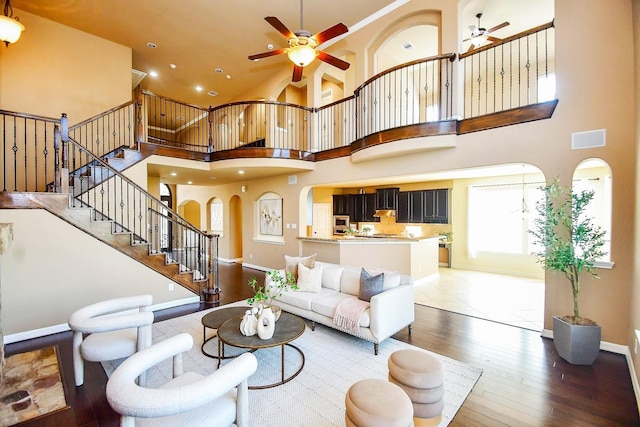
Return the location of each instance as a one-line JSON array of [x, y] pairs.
[[417, 257]]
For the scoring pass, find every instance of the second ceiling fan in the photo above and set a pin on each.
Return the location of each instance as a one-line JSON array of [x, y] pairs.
[[480, 35], [302, 45]]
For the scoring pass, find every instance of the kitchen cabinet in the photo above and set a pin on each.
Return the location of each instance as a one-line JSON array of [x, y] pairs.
[[387, 198], [363, 207], [410, 206], [341, 204], [436, 206]]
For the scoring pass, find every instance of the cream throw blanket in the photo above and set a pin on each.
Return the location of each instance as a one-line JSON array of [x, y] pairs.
[[349, 312]]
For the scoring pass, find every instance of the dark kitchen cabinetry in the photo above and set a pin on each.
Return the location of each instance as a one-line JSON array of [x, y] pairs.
[[423, 206], [410, 206], [362, 208], [387, 198], [341, 204], [436, 206]]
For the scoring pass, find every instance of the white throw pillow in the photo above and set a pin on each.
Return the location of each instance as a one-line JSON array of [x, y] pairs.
[[309, 279], [331, 276]]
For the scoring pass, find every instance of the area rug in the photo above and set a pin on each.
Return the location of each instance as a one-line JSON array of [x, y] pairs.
[[333, 362], [31, 386]]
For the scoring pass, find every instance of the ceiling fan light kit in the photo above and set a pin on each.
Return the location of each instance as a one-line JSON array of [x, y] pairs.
[[480, 35], [302, 46], [10, 28]]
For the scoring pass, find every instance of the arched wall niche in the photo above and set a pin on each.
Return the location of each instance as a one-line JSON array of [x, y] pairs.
[[424, 17]]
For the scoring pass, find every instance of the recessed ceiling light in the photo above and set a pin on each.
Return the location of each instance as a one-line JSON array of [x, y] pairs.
[[212, 177], [241, 172], [198, 88], [269, 46], [228, 76], [218, 70], [173, 174], [152, 45], [173, 66], [189, 182], [153, 73]]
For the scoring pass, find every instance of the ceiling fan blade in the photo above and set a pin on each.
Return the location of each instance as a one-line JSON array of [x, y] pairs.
[[332, 60], [497, 27], [278, 25], [330, 33], [266, 54], [297, 73], [494, 39], [466, 40], [471, 48]]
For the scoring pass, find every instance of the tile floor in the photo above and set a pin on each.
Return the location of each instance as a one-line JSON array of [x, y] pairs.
[[513, 300]]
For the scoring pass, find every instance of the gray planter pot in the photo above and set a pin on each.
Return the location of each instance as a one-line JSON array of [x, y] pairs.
[[578, 345]]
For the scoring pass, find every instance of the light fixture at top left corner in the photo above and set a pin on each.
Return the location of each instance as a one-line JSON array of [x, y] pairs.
[[10, 28]]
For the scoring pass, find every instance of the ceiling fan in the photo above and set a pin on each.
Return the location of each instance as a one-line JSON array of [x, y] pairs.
[[480, 35], [302, 46]]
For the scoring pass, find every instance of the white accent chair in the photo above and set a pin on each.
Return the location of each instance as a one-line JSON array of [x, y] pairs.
[[109, 330], [189, 399]]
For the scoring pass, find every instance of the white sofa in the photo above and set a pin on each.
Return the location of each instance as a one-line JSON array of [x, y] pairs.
[[389, 311]]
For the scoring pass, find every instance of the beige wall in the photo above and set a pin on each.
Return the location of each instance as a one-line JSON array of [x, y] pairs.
[[634, 279], [53, 269], [55, 69]]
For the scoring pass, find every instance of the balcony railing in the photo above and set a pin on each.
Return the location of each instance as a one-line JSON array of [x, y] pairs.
[[497, 77], [510, 73]]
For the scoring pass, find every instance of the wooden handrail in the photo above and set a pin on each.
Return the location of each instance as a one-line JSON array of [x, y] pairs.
[[508, 39], [450, 56], [29, 116]]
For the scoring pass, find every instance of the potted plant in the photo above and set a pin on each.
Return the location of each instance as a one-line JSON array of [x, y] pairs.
[[275, 284], [571, 244]]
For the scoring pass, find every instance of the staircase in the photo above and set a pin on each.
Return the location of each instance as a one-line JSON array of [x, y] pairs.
[[62, 176]]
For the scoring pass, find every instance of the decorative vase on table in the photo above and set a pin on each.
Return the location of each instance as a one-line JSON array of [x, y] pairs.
[[249, 323], [266, 323]]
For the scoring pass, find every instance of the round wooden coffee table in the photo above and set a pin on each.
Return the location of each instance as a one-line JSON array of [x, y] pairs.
[[213, 320], [288, 328]]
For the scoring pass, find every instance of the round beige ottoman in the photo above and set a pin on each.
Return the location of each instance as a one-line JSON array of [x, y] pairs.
[[377, 403], [421, 376]]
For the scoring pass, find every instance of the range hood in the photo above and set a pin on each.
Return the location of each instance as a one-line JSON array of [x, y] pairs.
[[384, 212]]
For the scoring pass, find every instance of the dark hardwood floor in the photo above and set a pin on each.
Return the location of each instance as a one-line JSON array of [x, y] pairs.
[[524, 381]]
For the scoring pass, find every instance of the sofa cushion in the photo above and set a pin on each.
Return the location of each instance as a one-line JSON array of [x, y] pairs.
[[350, 282], [291, 263], [370, 285], [391, 278], [326, 306], [331, 275], [309, 279], [303, 300]]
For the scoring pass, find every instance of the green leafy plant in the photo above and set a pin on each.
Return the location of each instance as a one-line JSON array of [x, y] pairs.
[[277, 285], [570, 242]]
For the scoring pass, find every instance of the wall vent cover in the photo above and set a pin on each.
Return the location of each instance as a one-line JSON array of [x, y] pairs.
[[589, 139], [408, 46]]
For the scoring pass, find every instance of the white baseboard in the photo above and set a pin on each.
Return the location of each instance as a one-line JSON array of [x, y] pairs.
[[63, 327], [256, 267]]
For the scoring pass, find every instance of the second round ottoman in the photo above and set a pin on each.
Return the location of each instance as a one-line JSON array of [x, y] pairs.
[[421, 376]]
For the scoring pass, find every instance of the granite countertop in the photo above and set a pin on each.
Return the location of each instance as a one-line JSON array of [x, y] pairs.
[[368, 239]]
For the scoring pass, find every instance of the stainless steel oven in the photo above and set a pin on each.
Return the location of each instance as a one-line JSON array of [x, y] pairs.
[[340, 224]]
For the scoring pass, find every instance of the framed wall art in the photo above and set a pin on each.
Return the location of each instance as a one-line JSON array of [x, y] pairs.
[[270, 211]]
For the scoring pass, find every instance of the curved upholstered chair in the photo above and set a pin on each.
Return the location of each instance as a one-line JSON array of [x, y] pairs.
[[189, 399], [110, 330]]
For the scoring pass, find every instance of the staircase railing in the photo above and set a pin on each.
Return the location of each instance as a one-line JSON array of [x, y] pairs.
[[106, 134], [131, 209], [29, 151]]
